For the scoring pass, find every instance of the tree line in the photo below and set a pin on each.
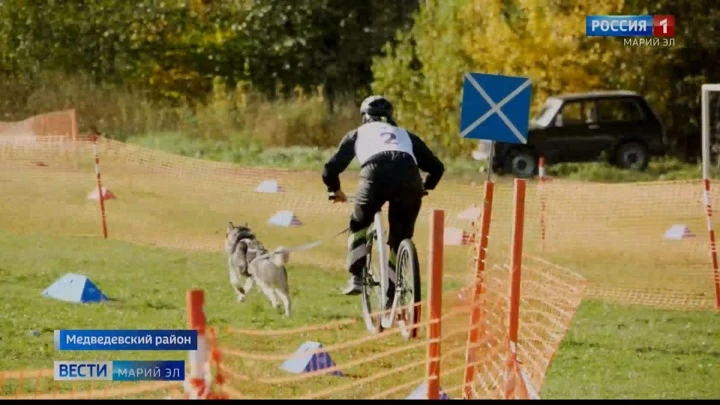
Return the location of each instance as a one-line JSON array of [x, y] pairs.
[[414, 51]]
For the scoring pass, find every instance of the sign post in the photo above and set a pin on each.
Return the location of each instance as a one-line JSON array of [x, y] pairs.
[[495, 108]]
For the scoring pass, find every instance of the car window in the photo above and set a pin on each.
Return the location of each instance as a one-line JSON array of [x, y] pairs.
[[590, 112], [571, 114], [551, 107], [619, 110]]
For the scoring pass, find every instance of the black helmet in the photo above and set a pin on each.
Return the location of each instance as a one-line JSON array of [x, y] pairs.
[[376, 106]]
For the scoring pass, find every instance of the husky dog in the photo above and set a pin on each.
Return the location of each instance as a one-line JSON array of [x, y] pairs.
[[248, 257]]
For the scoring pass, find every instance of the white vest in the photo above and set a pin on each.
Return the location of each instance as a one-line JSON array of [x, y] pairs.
[[376, 137]]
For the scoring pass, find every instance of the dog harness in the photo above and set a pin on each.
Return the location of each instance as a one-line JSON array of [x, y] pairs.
[[254, 250]]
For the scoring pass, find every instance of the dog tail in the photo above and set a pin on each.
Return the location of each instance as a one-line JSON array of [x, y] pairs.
[[280, 257]]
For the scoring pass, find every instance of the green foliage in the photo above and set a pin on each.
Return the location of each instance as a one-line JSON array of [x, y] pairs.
[[660, 169], [248, 152], [545, 40], [266, 70], [113, 109], [319, 42], [174, 49], [229, 114], [245, 151], [219, 70], [423, 75], [163, 47], [672, 77], [453, 37]]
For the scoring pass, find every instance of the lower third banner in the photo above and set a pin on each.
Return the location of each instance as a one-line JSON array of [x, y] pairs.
[[120, 370], [106, 339]]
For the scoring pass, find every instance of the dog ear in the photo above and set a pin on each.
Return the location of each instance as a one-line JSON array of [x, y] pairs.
[[230, 226], [246, 225]]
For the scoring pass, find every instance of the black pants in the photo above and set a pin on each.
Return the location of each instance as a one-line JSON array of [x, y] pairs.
[[397, 181]]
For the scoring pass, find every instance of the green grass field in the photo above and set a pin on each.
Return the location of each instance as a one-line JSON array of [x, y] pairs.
[[611, 351], [166, 230]]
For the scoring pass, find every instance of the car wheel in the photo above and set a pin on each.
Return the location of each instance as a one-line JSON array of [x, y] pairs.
[[521, 164], [632, 155]]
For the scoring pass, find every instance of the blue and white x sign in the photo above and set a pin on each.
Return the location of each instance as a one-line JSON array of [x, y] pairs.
[[495, 107]]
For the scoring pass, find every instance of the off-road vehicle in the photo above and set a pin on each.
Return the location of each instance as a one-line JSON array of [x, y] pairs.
[[584, 127]]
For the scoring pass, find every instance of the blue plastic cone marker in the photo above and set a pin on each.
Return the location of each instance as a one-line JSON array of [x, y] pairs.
[[284, 219], [269, 186], [471, 214], [308, 359], [75, 288], [677, 232], [421, 393], [453, 236], [106, 194]]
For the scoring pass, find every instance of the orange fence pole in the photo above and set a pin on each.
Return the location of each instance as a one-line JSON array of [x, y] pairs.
[[73, 124], [198, 359], [435, 270], [541, 191], [713, 246], [475, 316], [515, 276], [101, 197]]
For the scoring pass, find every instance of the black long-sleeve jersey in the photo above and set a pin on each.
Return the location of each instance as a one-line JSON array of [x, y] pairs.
[[426, 161]]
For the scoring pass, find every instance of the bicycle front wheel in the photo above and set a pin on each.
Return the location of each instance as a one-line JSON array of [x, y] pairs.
[[408, 291]]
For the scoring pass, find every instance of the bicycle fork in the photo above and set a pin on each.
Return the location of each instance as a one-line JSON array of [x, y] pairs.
[[387, 319]]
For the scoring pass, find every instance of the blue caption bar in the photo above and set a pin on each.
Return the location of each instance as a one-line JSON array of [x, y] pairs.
[[126, 339], [120, 370], [619, 26]]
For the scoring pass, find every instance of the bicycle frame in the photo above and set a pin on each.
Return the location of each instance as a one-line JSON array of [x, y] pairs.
[[377, 227], [376, 231]]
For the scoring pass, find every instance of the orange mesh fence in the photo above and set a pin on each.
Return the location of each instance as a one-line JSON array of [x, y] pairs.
[[639, 243], [249, 363], [57, 123], [612, 234], [385, 366], [364, 366], [548, 299], [549, 295], [178, 202]]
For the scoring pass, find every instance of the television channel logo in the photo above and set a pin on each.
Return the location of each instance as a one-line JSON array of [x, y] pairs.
[[663, 26], [630, 26], [120, 370]]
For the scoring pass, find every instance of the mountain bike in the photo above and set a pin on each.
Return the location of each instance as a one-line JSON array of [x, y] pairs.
[[376, 281]]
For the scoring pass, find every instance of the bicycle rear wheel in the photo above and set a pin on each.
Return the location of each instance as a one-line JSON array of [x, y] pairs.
[[408, 290], [372, 295]]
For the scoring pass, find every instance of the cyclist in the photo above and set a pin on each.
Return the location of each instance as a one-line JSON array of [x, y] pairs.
[[390, 157]]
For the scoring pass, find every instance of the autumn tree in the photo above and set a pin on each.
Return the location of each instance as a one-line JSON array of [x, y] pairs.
[[541, 39], [175, 49], [422, 74]]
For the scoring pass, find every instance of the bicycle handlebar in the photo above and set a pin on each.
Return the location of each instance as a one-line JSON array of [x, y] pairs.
[[331, 196]]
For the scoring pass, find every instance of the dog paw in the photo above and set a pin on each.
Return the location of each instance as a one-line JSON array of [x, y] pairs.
[[241, 298]]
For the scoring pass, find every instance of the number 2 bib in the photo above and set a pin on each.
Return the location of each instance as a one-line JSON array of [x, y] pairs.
[[377, 137]]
